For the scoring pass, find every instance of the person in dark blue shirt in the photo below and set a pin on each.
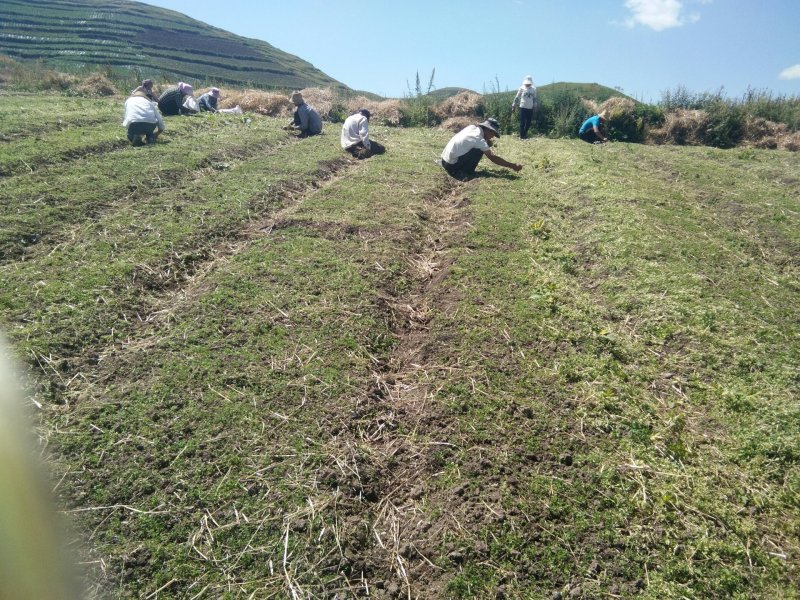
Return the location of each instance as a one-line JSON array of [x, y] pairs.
[[306, 118], [208, 101], [591, 131]]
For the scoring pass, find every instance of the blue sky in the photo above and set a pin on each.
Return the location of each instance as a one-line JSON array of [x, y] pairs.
[[641, 46]]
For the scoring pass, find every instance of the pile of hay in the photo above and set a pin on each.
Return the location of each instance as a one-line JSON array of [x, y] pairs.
[[463, 104], [791, 142], [271, 104], [760, 133], [456, 124], [97, 85], [322, 99], [617, 106], [614, 108], [681, 127], [386, 112]]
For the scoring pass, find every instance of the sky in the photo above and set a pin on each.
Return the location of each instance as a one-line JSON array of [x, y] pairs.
[[644, 47]]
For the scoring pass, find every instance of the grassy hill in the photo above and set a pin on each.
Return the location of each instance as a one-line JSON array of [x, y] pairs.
[[592, 91], [150, 41], [268, 370], [445, 93]]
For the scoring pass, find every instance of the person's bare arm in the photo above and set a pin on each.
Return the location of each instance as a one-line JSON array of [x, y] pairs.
[[502, 161], [599, 134]]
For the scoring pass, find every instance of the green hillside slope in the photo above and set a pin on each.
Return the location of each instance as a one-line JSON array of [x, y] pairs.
[[590, 91], [263, 369], [148, 40]]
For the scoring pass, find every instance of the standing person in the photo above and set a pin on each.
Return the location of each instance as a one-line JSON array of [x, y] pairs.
[[306, 118], [355, 136], [147, 89], [466, 148], [171, 101], [142, 118], [527, 97], [208, 101], [591, 130]]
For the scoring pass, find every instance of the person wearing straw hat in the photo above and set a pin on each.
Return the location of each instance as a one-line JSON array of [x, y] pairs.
[[146, 89], [527, 98], [172, 100], [208, 101], [305, 118], [466, 148], [355, 136], [591, 131]]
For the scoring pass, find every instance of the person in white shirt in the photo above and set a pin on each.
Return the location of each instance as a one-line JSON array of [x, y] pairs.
[[355, 136], [527, 99], [466, 148], [142, 119]]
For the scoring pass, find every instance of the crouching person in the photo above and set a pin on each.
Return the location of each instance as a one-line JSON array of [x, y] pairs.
[[142, 119], [355, 136], [173, 100], [466, 148], [306, 119], [209, 101]]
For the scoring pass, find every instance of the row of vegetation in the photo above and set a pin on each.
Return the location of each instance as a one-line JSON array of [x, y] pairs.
[[758, 119]]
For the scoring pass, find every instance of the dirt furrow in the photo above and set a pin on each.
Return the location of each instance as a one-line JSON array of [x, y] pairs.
[[397, 432]]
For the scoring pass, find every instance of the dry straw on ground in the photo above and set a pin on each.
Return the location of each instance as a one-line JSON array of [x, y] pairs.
[[456, 124], [463, 104], [97, 85], [682, 126], [271, 104], [386, 112]]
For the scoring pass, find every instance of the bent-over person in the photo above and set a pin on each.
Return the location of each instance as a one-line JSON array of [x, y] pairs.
[[355, 136], [466, 148]]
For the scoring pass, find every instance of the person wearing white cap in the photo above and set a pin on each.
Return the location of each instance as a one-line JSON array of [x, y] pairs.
[[466, 148], [527, 99], [208, 101]]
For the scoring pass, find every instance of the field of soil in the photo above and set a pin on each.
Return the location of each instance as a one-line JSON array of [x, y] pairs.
[[262, 369]]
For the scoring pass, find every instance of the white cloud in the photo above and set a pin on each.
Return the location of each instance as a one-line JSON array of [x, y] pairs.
[[658, 14], [792, 72]]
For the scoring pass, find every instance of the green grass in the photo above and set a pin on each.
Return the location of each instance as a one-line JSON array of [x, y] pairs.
[[276, 372]]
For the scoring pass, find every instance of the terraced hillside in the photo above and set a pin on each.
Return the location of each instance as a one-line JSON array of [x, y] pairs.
[[148, 40], [266, 370]]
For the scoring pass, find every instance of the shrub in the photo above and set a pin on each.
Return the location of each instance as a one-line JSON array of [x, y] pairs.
[[566, 114], [725, 124]]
